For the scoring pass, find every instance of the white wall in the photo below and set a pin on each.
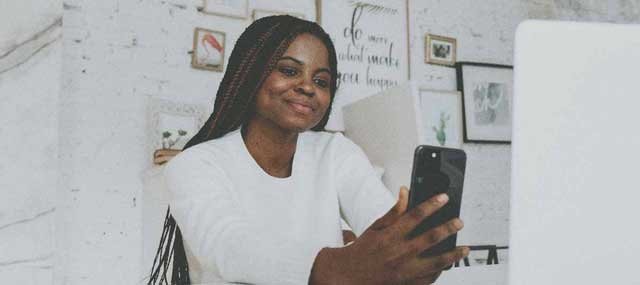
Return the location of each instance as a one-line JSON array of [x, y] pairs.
[[30, 58], [116, 56]]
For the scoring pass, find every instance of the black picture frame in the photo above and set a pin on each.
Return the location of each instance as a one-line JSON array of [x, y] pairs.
[[470, 134]]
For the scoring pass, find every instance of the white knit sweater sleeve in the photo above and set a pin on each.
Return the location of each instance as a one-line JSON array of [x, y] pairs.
[[218, 232], [362, 195]]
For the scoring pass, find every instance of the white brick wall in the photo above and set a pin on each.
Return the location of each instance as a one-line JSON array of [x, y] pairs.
[[89, 140], [30, 60]]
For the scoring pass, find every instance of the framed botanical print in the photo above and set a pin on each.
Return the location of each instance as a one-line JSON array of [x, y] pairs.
[[172, 124], [487, 95]]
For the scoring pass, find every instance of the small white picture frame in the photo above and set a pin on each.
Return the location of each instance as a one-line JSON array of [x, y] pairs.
[[441, 117], [228, 8]]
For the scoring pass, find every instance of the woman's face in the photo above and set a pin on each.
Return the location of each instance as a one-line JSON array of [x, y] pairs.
[[297, 93]]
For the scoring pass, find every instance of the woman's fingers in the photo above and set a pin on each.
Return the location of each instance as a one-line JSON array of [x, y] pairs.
[[423, 268], [445, 260], [432, 278], [403, 200], [434, 236], [429, 279], [394, 213], [407, 223], [385, 253], [413, 247]]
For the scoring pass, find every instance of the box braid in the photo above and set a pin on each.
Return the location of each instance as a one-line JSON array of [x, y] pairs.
[[252, 60]]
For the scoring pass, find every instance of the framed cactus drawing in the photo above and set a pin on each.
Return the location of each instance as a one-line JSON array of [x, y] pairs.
[[441, 117]]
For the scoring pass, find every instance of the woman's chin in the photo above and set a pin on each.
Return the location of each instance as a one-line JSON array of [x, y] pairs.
[[298, 125], [299, 128]]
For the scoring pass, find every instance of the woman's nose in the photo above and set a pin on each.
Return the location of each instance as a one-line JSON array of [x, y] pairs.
[[306, 88]]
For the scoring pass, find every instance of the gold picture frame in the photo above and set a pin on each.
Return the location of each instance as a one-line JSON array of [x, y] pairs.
[[440, 50], [208, 49]]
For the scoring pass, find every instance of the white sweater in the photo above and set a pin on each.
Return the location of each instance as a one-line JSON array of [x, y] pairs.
[[239, 224]]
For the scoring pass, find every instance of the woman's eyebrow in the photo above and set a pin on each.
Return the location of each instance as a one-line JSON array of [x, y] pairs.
[[300, 62], [293, 59], [324, 69]]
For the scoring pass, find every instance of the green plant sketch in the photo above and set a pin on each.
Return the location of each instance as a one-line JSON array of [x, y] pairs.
[[167, 142], [441, 136]]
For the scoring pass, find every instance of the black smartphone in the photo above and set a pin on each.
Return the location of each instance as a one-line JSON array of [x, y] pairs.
[[437, 170]]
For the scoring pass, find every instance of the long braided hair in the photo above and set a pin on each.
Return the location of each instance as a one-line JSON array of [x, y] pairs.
[[252, 60]]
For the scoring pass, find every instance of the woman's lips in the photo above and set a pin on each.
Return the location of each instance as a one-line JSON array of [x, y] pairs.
[[300, 108]]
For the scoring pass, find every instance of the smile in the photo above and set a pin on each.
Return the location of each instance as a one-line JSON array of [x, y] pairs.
[[300, 108]]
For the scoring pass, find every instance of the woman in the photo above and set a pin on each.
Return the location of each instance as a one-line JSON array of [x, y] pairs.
[[259, 197]]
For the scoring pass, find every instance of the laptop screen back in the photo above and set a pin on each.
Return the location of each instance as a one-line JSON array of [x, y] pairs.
[[575, 204]]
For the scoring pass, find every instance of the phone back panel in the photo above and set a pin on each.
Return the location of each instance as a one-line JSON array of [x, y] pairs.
[[575, 202], [438, 170]]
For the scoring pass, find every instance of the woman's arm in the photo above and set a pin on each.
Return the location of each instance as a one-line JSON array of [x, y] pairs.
[[382, 254], [362, 195], [218, 233]]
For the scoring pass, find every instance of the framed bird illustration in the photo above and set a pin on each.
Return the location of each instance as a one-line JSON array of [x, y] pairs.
[[208, 50]]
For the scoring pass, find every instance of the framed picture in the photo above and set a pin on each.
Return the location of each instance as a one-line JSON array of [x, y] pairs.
[[487, 93], [439, 50], [319, 12], [441, 117], [261, 13], [171, 124], [368, 36], [228, 8], [208, 49]]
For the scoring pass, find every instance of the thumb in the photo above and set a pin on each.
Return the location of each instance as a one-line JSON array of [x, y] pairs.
[[395, 212]]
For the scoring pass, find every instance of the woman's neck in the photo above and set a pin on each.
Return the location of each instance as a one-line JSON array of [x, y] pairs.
[[271, 147]]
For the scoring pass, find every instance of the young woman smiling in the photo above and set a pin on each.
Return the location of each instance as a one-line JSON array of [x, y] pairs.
[[259, 192]]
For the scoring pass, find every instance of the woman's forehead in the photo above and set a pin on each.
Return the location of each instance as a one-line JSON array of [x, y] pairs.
[[306, 47]]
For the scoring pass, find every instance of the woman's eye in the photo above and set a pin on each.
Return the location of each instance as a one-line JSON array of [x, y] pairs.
[[321, 82], [288, 71]]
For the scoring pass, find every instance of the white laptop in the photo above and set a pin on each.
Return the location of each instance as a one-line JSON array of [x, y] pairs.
[[575, 202]]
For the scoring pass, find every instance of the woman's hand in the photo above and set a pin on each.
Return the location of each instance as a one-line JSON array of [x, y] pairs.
[[384, 254]]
